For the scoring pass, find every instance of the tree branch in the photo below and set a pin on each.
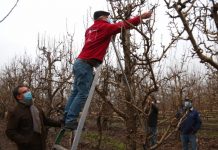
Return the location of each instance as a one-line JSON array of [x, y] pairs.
[[9, 11]]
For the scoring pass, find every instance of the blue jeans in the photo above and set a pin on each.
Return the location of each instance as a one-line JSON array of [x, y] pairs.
[[153, 137], [83, 77], [188, 138]]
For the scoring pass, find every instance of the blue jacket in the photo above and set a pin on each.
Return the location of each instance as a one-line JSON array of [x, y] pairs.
[[192, 123]]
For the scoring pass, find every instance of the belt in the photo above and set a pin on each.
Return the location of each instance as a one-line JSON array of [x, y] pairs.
[[91, 62]]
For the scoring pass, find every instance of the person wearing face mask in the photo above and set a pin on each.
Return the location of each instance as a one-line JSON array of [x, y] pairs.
[[26, 122], [97, 39], [189, 125], [151, 123]]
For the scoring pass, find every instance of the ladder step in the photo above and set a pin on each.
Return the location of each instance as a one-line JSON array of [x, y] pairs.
[[59, 136]]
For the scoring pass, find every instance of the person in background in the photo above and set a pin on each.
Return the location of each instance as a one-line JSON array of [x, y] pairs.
[[97, 40], [152, 123], [189, 125], [26, 122]]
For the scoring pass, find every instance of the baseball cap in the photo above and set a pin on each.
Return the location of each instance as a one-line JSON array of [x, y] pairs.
[[100, 13]]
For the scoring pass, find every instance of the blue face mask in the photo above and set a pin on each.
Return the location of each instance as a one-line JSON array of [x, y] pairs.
[[28, 97], [109, 20]]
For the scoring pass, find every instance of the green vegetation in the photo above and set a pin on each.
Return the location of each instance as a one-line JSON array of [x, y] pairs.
[[107, 141]]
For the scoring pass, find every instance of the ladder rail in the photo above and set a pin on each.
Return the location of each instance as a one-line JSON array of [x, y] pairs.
[[121, 67], [85, 111]]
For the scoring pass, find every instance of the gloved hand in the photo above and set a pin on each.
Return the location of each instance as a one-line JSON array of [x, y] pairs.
[[146, 15]]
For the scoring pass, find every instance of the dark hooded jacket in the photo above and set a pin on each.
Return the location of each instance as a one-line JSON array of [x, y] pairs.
[[20, 128], [153, 116]]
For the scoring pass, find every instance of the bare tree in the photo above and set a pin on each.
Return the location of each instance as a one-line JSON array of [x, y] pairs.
[[19, 71], [199, 26], [9, 12], [53, 72], [138, 59], [48, 76]]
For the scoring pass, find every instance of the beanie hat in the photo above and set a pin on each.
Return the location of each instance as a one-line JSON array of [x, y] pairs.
[[100, 13], [187, 99]]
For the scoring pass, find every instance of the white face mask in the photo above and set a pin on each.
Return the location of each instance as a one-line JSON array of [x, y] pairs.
[[187, 104]]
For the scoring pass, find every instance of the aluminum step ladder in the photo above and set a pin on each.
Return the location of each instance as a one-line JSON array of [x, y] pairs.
[[82, 119]]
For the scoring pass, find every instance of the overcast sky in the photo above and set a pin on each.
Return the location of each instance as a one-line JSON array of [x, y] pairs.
[[19, 32]]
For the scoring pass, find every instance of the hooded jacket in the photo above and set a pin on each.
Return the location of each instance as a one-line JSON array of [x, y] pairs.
[[20, 128], [98, 37]]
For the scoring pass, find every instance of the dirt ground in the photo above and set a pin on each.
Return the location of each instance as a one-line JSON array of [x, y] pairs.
[[205, 142]]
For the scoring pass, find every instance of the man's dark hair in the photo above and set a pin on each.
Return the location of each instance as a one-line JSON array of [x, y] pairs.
[[16, 91]]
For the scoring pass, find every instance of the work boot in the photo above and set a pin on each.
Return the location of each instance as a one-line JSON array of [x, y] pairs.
[[71, 125]]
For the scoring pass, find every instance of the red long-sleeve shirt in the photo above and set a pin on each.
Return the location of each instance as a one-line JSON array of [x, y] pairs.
[[98, 36]]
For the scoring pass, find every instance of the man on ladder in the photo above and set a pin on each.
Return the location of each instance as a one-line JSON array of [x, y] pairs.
[[97, 39]]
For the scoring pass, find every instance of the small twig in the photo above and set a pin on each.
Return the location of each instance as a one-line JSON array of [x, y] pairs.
[[9, 12]]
